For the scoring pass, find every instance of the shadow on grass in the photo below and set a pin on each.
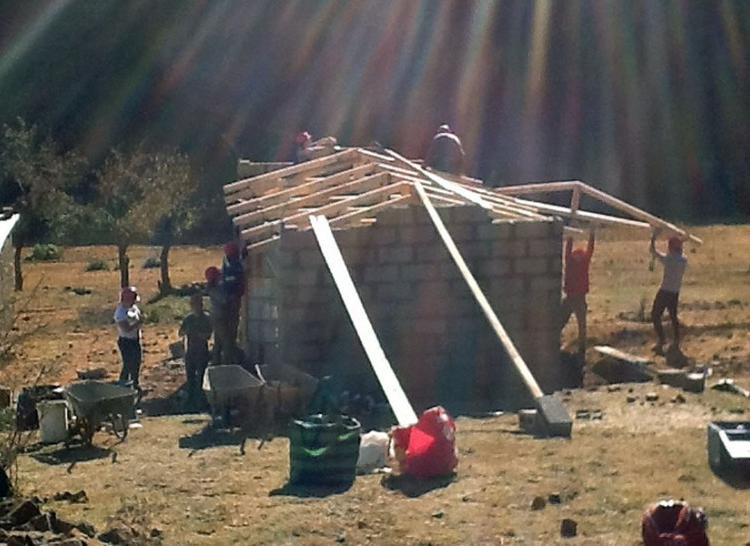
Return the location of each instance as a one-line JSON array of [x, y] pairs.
[[209, 437], [412, 487], [310, 491], [71, 454]]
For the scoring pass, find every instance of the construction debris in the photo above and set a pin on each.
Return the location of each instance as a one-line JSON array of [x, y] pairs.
[[617, 366], [728, 385]]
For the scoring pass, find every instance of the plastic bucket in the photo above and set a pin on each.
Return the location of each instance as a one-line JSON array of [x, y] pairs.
[[53, 421], [323, 452]]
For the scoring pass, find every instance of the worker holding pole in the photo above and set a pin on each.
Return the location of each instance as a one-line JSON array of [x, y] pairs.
[[674, 263], [576, 286], [446, 152]]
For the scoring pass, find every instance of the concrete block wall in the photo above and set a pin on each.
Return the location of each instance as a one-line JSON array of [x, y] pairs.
[[429, 325]]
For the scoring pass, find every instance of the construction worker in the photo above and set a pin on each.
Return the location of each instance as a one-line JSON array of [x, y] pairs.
[[233, 278], [196, 327], [129, 321], [576, 286], [218, 297], [668, 296], [446, 152], [307, 149]]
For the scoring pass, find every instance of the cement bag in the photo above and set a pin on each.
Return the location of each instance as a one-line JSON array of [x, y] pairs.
[[427, 449], [373, 451]]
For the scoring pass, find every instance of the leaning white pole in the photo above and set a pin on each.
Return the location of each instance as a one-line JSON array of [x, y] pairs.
[[388, 381], [507, 343]]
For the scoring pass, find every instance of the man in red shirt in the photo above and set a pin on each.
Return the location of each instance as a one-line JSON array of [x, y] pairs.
[[576, 286]]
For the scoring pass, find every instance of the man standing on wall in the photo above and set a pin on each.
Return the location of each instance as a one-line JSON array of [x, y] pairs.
[[576, 286], [446, 152], [667, 297]]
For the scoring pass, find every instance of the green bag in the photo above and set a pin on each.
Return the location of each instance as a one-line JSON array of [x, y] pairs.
[[323, 450]]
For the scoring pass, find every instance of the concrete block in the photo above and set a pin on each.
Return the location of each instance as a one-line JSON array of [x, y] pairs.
[[417, 234], [292, 239], [430, 327], [382, 273], [473, 214], [449, 270], [488, 231], [431, 253], [396, 254], [544, 247], [515, 248], [475, 249], [310, 258], [533, 229], [505, 229], [419, 272], [530, 266], [434, 290], [395, 216], [461, 233], [397, 291], [555, 265], [546, 284], [380, 236], [493, 268]]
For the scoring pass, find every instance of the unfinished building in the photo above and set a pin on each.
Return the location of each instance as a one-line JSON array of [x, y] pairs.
[[439, 344]]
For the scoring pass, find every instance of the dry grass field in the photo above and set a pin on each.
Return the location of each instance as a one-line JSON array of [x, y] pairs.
[[199, 489]]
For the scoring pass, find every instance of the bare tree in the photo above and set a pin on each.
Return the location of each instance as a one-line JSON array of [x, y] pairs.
[[34, 177], [136, 191]]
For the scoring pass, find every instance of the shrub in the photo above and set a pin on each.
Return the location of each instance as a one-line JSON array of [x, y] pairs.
[[152, 263], [45, 253], [97, 265]]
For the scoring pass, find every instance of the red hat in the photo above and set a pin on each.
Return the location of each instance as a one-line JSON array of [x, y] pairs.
[[212, 274], [302, 137], [675, 244], [129, 291], [231, 249]]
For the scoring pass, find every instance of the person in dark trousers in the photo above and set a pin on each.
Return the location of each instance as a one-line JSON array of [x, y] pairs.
[[674, 263], [576, 286], [307, 149], [129, 321], [233, 278], [218, 298], [446, 152], [196, 327]]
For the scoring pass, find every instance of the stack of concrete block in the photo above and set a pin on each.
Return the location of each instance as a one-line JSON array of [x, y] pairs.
[[428, 323]]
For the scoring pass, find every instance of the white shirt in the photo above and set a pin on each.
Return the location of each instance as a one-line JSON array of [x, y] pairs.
[[130, 315], [674, 269]]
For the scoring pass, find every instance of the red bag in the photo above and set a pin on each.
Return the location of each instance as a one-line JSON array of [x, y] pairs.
[[674, 523], [427, 449]]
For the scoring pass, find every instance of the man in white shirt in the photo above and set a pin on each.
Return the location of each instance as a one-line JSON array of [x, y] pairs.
[[129, 320], [667, 297]]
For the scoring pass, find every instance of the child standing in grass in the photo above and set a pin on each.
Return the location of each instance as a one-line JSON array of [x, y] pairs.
[[196, 327]]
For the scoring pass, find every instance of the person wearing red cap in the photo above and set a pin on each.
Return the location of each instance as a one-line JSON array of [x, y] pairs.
[[233, 277], [307, 149], [129, 320], [576, 286], [446, 152], [668, 296], [218, 297]]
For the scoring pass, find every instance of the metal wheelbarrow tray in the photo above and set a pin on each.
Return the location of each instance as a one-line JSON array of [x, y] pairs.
[[94, 402], [230, 387], [729, 445]]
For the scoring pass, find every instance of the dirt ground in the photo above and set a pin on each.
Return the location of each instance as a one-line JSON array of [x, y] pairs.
[[198, 489]]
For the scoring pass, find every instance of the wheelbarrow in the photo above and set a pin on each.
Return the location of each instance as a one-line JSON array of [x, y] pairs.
[[229, 388], [93, 403]]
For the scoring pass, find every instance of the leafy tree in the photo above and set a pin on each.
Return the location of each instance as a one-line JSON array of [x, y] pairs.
[[34, 178], [136, 191]]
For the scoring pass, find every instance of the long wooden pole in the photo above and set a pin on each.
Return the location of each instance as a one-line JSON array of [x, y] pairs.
[[391, 387], [484, 304]]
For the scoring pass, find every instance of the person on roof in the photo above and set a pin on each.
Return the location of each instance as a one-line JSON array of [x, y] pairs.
[[307, 149], [674, 263], [446, 152], [576, 286], [129, 321]]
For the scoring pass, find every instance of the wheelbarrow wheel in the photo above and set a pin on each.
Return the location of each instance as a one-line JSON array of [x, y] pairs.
[[87, 429], [120, 426]]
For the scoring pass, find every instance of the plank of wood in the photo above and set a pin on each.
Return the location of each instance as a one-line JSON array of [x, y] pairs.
[[383, 371], [288, 171], [538, 187], [280, 210], [300, 190], [479, 296], [263, 230], [621, 355], [365, 212]]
